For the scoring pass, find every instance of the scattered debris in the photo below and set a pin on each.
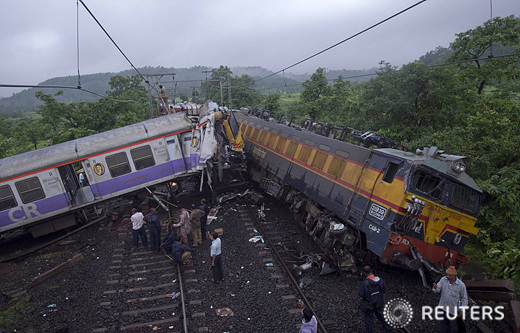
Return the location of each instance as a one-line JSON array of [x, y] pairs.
[[42, 277], [225, 312], [256, 239]]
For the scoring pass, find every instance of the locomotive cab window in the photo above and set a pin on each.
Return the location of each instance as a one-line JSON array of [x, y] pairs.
[[7, 199], [142, 157], [390, 172], [30, 190], [427, 184], [465, 199], [118, 164]]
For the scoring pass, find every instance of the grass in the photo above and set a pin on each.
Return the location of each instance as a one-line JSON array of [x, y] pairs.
[[15, 314]]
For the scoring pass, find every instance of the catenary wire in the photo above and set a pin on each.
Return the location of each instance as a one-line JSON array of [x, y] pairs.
[[404, 69], [117, 46], [77, 40], [66, 87], [344, 40]]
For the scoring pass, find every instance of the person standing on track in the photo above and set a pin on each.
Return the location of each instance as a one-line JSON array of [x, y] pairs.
[[154, 227], [453, 295], [216, 257], [372, 290], [138, 229], [204, 219], [309, 322], [183, 228], [195, 218]]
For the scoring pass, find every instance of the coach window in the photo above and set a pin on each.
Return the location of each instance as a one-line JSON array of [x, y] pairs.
[[142, 157], [324, 147], [118, 164], [7, 199], [390, 172], [309, 142], [30, 190], [342, 153]]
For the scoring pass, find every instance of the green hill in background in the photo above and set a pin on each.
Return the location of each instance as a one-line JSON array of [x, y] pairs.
[[24, 103]]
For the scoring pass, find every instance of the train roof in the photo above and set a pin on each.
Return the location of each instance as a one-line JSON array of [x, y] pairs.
[[78, 149], [430, 157], [436, 159]]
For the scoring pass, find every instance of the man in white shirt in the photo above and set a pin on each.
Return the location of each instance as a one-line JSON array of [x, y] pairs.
[[138, 229], [453, 295], [216, 257]]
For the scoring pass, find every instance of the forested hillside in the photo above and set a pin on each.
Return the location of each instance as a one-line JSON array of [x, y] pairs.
[[25, 103]]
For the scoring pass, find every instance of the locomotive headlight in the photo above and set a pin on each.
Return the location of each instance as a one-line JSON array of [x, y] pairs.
[[458, 166]]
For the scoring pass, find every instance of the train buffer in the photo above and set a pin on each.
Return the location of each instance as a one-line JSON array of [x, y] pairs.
[[500, 291]]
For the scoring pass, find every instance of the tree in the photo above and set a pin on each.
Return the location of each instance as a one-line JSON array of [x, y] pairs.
[[243, 92], [272, 102], [214, 88], [477, 43], [314, 89]]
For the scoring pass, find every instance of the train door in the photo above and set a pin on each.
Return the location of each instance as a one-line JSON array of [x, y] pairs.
[[173, 145], [76, 193], [69, 180], [381, 193]]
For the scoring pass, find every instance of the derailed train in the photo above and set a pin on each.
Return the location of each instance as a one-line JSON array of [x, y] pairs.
[[412, 210], [40, 189]]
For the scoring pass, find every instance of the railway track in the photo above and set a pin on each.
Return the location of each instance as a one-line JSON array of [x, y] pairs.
[[151, 287]]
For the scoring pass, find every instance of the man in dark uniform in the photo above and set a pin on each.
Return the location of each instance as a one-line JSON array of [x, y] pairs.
[[204, 219], [372, 290]]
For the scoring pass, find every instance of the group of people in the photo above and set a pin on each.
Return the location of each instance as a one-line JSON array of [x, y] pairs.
[[372, 290], [453, 296], [177, 243]]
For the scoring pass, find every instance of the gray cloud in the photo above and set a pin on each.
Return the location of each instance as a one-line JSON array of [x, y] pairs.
[[38, 38]]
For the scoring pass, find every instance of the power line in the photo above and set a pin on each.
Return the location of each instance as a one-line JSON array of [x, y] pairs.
[[66, 87], [343, 41], [407, 69], [117, 46]]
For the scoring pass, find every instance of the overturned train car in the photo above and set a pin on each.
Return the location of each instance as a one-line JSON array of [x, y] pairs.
[[41, 191], [411, 210]]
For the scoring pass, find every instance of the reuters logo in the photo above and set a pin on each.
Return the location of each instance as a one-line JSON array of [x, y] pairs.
[[398, 312]]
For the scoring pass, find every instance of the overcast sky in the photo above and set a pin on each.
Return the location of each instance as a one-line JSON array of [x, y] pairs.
[[38, 38]]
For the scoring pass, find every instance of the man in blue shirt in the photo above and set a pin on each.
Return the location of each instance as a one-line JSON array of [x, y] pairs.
[[154, 228], [216, 257], [180, 252]]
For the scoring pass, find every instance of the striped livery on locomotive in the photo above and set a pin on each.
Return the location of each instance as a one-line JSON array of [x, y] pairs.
[[410, 210]]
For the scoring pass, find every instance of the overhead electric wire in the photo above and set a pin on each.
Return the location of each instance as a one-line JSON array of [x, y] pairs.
[[344, 40], [407, 69], [77, 40], [117, 46], [65, 87]]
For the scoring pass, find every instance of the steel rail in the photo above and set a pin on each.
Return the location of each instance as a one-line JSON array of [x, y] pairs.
[[183, 302], [53, 241], [321, 328]]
